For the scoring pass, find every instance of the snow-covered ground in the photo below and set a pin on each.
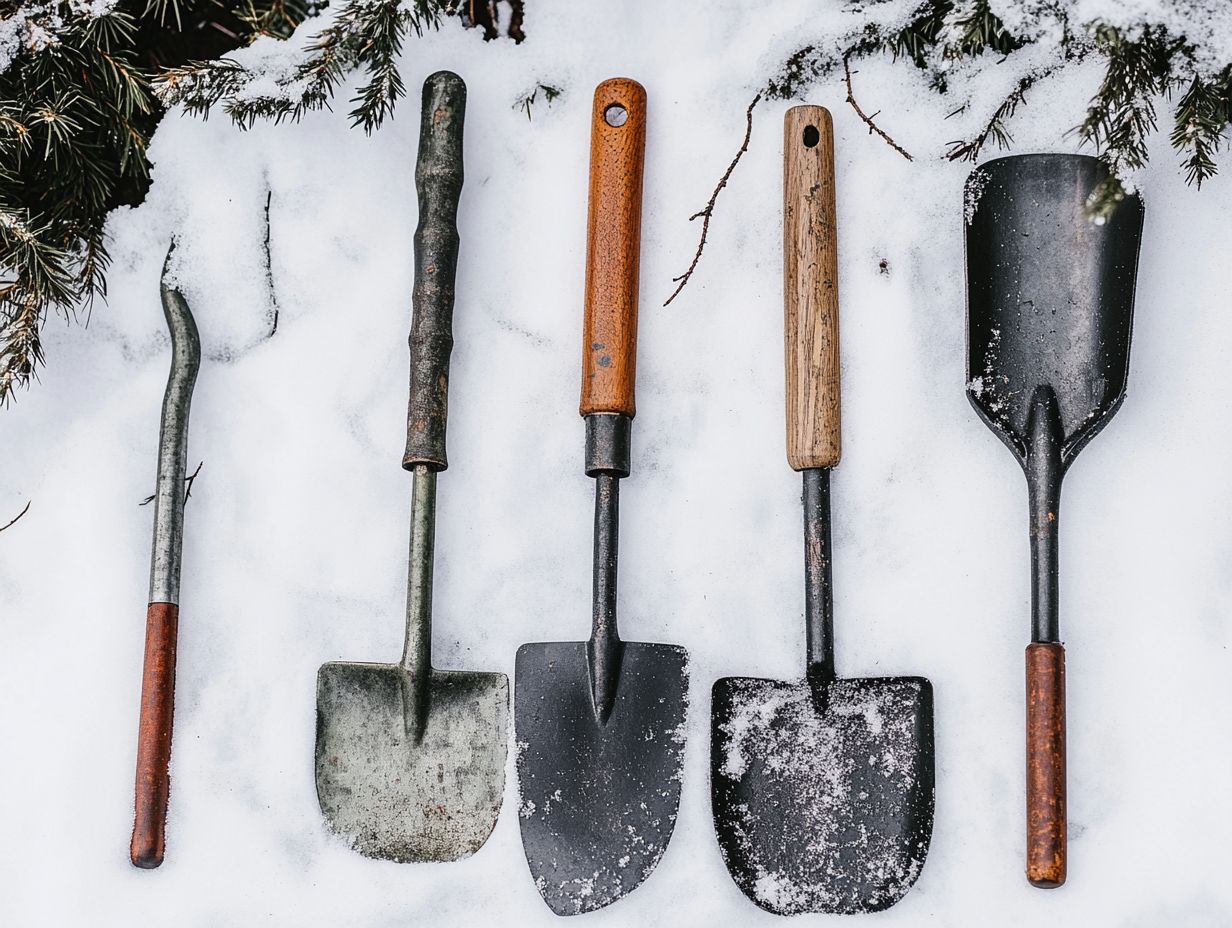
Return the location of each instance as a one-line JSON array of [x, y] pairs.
[[295, 548]]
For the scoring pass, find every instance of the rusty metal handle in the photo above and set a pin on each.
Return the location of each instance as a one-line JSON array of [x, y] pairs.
[[1046, 816], [438, 181], [153, 786]]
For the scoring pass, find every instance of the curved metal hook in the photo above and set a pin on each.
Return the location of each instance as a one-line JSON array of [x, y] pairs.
[[173, 444]]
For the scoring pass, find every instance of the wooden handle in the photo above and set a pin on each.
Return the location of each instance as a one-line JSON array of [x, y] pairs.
[[810, 289], [438, 180], [1046, 825], [154, 736], [613, 246]]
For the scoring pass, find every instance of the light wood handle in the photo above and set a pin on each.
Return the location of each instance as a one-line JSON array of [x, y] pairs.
[[613, 246], [1046, 815], [810, 289]]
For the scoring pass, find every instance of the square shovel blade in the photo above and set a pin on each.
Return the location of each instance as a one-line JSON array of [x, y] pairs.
[[401, 797], [599, 800], [823, 807]]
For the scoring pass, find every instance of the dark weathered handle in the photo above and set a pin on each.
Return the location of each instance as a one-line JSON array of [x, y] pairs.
[[613, 247], [154, 736], [1046, 824], [810, 289], [438, 180]]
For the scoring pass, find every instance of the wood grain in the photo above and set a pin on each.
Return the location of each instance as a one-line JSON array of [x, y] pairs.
[[154, 736], [613, 247], [1046, 822], [810, 289]]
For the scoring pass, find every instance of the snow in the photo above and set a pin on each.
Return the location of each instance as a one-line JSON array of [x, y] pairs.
[[296, 531]]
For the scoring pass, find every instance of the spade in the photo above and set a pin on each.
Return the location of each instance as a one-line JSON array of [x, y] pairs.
[[1050, 300], [821, 789], [410, 760], [600, 723]]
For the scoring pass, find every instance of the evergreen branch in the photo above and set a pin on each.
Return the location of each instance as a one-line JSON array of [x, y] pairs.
[[995, 129], [1202, 114]]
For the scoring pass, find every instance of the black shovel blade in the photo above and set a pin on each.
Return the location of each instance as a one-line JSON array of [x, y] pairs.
[[823, 798], [404, 782], [1050, 296], [598, 800]]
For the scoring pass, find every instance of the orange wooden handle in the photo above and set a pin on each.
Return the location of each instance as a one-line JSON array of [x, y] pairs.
[[613, 246], [810, 289], [1046, 823], [154, 736]]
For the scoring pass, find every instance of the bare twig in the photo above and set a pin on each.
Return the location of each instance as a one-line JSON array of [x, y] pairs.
[[706, 213], [868, 120], [269, 264], [13, 520], [188, 482]]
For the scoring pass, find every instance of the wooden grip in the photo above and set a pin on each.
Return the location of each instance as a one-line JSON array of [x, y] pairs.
[[154, 735], [438, 181], [1046, 824], [613, 246], [810, 289]]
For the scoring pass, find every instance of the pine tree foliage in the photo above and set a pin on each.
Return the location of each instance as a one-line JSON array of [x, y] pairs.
[[78, 104], [1140, 66], [366, 35]]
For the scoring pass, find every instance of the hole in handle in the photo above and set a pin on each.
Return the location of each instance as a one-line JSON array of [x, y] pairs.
[[615, 115], [811, 136]]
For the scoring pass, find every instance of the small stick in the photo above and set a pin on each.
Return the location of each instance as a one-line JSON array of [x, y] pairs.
[[868, 120], [706, 213], [188, 482], [13, 520]]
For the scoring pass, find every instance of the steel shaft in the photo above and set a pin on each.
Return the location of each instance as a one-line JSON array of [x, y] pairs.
[[170, 492], [818, 576]]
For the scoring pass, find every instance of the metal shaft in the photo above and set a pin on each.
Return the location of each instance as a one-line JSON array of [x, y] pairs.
[[818, 580], [417, 655], [169, 494], [605, 645], [1044, 471]]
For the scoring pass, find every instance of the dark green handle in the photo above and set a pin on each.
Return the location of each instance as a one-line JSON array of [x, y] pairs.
[[438, 180]]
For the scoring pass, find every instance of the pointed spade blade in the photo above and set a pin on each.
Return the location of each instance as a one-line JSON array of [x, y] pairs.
[[598, 801]]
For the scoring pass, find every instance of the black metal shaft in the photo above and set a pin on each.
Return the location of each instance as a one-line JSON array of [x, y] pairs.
[[1044, 472], [818, 579], [605, 644]]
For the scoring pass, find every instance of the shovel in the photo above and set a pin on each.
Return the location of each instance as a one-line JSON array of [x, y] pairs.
[[153, 787], [822, 789], [1050, 299], [410, 760], [600, 723]]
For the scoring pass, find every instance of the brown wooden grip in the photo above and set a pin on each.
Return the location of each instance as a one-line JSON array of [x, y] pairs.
[[154, 735], [613, 246], [1046, 824], [810, 289]]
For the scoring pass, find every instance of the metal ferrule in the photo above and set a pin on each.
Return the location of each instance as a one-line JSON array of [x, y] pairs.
[[170, 493], [608, 436]]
